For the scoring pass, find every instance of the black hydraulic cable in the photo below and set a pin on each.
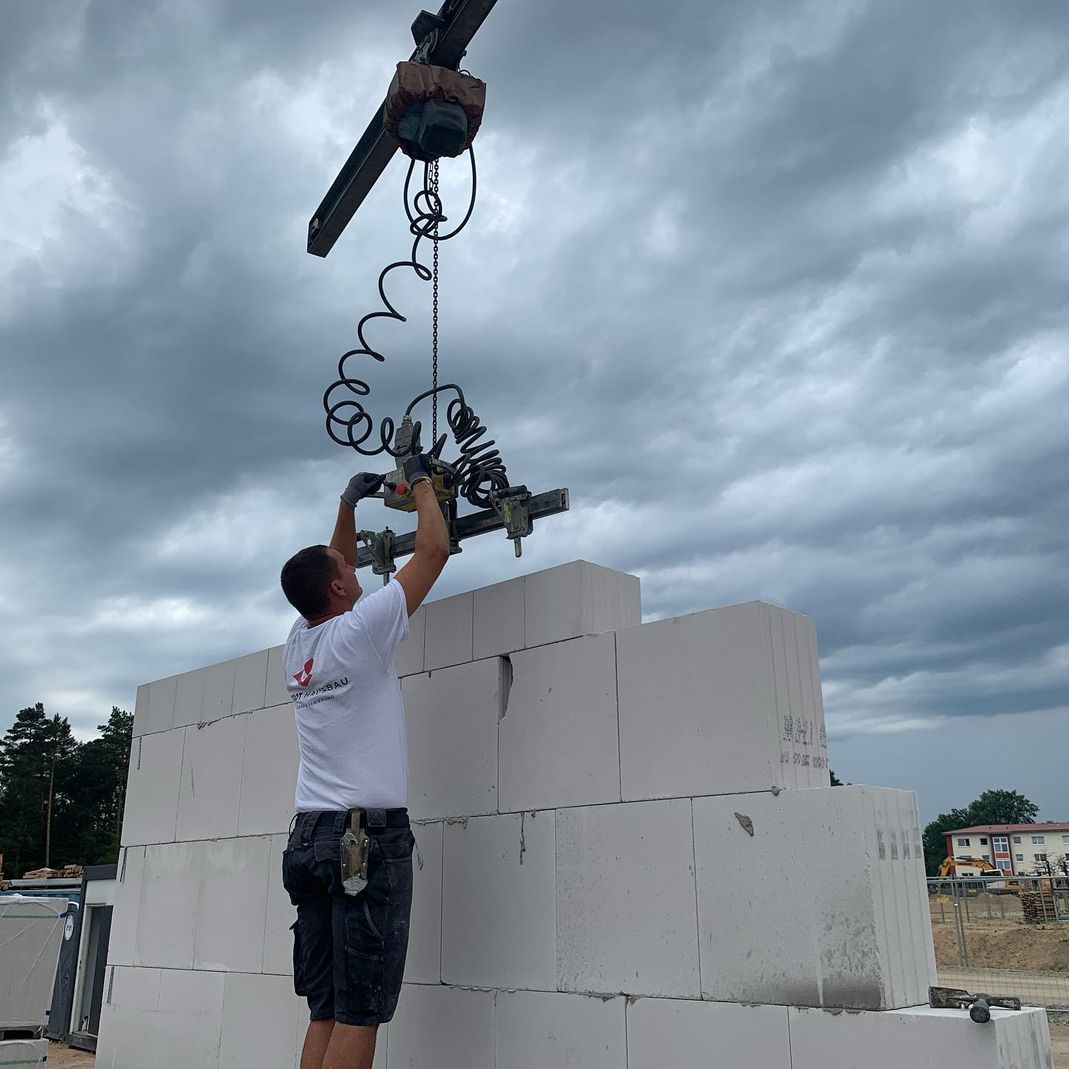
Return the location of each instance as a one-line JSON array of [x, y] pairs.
[[480, 469]]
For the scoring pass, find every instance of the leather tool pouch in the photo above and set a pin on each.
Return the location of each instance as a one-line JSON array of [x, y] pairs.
[[354, 855]]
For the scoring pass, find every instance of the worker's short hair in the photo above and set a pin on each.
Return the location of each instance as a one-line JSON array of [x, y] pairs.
[[306, 579]]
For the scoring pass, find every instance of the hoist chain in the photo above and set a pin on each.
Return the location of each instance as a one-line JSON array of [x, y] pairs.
[[434, 317]]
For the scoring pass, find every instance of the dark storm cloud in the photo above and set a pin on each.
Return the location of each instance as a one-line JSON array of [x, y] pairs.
[[776, 289]]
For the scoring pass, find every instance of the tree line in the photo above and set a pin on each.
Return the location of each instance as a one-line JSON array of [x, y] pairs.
[[61, 800]]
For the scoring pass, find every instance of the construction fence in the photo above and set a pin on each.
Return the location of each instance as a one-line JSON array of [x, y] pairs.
[[1003, 936]]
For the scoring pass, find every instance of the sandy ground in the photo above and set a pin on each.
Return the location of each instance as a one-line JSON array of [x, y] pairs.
[[1006, 944], [71, 1059], [1059, 1041]]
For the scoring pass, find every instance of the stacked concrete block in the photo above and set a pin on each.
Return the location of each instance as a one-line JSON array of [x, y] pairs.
[[671, 1032], [627, 853], [452, 718], [721, 702], [537, 1029], [547, 607], [626, 919], [561, 708], [424, 963], [499, 930], [163, 1018], [862, 941], [921, 1038]]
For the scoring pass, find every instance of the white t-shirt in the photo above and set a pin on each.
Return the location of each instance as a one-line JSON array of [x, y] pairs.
[[347, 702]]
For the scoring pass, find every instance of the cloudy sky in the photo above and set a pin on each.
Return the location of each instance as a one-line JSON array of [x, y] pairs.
[[776, 289]]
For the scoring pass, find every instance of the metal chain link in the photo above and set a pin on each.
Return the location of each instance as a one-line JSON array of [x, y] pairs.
[[434, 317]]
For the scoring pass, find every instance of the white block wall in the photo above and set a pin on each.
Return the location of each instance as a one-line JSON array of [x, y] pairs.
[[584, 788]]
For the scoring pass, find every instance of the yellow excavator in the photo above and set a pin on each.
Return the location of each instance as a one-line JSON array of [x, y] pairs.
[[970, 883], [951, 866]]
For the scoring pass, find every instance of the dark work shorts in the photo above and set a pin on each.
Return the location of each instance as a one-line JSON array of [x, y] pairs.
[[349, 950]]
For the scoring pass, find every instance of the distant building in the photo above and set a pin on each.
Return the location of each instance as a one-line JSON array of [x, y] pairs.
[[1016, 849]]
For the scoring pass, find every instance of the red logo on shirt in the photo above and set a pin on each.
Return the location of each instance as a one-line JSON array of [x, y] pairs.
[[304, 676]]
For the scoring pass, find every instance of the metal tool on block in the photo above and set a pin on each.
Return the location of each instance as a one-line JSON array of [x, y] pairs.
[[979, 1006]]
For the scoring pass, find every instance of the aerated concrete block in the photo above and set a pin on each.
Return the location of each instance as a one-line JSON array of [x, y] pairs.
[[278, 936], [720, 702], [189, 1019], [498, 903], [129, 1030], [130, 873], [250, 682], [268, 771], [424, 965], [276, 694], [258, 1022], [920, 1038], [218, 691], [452, 734], [189, 701], [167, 910], [409, 658], [210, 786], [141, 710], [578, 599], [161, 701], [444, 1027], [154, 710], [541, 1030], [498, 625], [106, 1032], [232, 910], [152, 788], [863, 940], [674, 1033], [449, 631], [559, 739], [626, 917]]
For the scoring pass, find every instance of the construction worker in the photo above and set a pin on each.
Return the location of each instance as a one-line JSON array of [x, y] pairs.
[[350, 940]]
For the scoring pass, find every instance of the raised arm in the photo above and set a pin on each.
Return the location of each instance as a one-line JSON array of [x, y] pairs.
[[344, 537], [432, 537]]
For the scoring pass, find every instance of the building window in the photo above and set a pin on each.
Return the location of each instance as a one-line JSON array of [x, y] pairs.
[[1002, 844], [987, 857], [1004, 865], [963, 842], [1020, 857], [1017, 840], [983, 842], [1038, 840], [1040, 857], [1065, 838]]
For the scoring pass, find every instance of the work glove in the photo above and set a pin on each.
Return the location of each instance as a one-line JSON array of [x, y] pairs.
[[417, 468], [360, 486]]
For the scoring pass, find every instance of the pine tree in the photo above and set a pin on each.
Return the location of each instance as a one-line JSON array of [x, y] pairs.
[[98, 791], [35, 768]]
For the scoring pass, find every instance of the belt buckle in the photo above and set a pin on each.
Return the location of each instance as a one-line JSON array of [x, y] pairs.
[[354, 855]]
